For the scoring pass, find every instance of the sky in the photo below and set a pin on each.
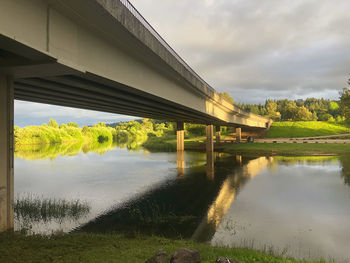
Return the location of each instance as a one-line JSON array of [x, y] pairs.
[[252, 49]]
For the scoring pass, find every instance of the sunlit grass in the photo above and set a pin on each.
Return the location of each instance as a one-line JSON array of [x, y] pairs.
[[288, 129]]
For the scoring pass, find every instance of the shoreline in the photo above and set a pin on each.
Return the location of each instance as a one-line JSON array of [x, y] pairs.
[[248, 149], [256, 149]]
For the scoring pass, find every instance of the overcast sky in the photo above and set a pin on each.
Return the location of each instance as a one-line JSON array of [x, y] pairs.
[[252, 49]]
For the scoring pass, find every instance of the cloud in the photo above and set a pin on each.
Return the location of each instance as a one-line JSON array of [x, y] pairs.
[[252, 49], [256, 50], [40, 113]]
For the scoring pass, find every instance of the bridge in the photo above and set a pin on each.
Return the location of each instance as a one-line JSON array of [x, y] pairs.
[[99, 55]]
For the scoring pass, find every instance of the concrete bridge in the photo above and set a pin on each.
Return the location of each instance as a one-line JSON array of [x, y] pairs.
[[99, 55]]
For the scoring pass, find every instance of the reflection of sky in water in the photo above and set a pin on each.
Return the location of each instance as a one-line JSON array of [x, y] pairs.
[[303, 208], [101, 180]]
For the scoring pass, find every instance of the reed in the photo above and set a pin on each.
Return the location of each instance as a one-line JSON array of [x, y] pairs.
[[32, 208]]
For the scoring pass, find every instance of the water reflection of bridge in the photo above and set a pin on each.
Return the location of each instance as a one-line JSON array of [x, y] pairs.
[[192, 205]]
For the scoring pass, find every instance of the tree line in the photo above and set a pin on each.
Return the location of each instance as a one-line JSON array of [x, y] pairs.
[[310, 109]]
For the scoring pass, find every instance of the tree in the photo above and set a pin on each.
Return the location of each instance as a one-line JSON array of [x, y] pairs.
[[53, 123], [344, 103], [302, 114], [314, 116], [289, 110], [73, 124], [325, 117], [147, 125], [271, 110], [100, 124], [85, 130], [333, 108]]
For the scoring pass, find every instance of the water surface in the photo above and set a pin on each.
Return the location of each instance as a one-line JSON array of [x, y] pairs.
[[296, 206]]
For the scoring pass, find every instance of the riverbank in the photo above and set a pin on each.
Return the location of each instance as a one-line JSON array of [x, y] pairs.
[[253, 149], [126, 248]]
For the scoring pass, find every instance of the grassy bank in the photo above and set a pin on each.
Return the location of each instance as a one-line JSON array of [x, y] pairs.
[[289, 129], [121, 248], [287, 149]]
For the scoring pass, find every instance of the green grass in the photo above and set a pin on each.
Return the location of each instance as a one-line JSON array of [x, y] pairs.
[[288, 149], [163, 144], [289, 129], [45, 134], [89, 248]]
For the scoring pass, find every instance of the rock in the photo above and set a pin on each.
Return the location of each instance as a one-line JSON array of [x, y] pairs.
[[224, 260], [185, 255], [161, 256]]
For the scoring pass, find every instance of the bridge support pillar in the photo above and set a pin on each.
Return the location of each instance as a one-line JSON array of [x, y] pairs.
[[238, 135], [217, 134], [6, 153], [180, 134], [210, 138]]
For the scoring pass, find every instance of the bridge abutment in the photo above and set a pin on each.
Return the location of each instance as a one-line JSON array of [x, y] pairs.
[[6, 153]]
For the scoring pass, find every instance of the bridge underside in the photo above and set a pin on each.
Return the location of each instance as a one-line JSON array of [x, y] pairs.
[[40, 78]]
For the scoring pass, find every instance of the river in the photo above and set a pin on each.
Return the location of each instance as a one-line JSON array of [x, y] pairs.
[[294, 206]]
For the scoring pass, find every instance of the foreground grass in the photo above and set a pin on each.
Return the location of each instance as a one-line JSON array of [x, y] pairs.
[[115, 248], [288, 129]]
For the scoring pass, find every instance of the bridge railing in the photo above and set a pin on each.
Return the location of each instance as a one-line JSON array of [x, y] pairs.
[[143, 21]]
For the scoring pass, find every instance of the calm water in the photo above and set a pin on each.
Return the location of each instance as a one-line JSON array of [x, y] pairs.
[[296, 206]]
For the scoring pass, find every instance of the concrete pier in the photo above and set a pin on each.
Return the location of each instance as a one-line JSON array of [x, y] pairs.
[[210, 138], [210, 151], [180, 134], [217, 134], [6, 153], [238, 135]]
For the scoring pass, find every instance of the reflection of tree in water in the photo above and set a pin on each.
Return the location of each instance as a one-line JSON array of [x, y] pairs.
[[47, 151], [345, 163], [309, 160], [52, 151], [131, 143], [317, 160]]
